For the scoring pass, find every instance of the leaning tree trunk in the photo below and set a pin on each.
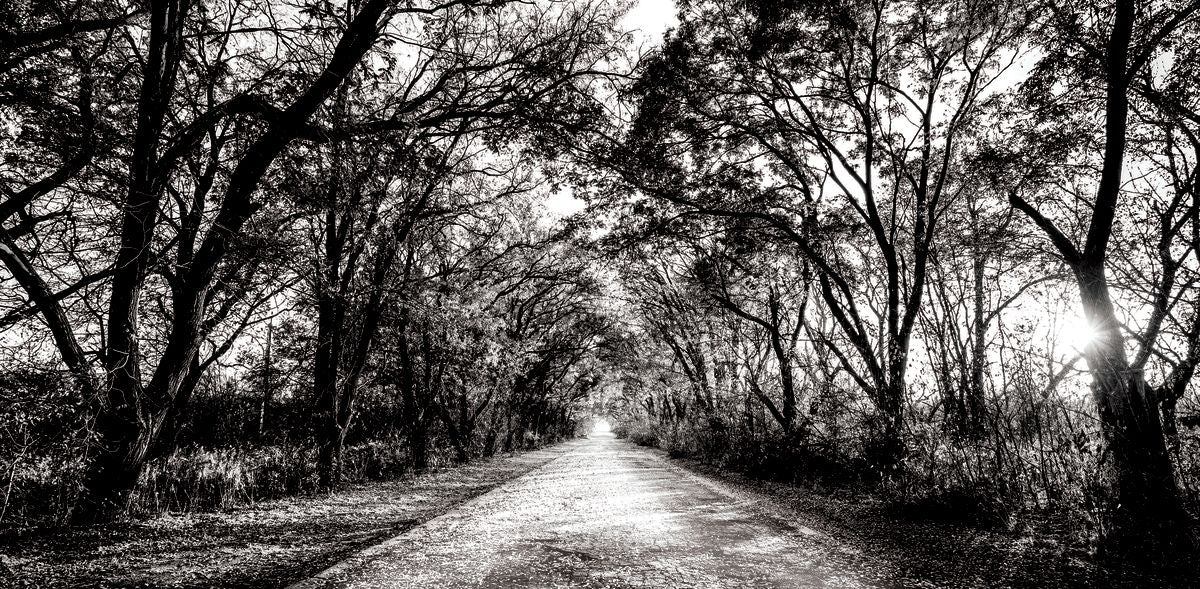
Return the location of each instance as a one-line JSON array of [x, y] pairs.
[[168, 437], [458, 430]]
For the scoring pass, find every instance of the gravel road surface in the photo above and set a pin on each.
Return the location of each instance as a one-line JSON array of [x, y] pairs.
[[607, 514]]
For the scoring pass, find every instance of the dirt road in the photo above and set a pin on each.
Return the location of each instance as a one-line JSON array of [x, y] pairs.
[[607, 514]]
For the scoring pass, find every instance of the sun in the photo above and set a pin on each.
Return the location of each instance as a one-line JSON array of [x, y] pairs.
[[1079, 333]]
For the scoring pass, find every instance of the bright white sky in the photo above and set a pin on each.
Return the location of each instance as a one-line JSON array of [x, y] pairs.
[[651, 18]]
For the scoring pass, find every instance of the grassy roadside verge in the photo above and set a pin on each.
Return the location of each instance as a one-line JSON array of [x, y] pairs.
[[927, 553], [271, 544]]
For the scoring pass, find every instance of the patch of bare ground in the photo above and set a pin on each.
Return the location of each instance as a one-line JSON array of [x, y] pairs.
[[271, 544], [926, 553]]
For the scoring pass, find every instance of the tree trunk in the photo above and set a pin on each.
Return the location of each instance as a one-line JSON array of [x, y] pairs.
[[268, 391], [1146, 518], [888, 449], [975, 392], [418, 441], [325, 369], [460, 442], [787, 380], [329, 458], [114, 472], [168, 437], [414, 414]]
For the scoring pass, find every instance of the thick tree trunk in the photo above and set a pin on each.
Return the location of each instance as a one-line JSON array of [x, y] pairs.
[[1146, 518], [124, 440], [887, 448], [168, 437], [418, 441], [329, 432], [329, 458], [492, 437], [507, 446], [460, 441], [326, 374]]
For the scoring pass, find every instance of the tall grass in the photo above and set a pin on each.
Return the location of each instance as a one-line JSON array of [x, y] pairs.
[[218, 457], [42, 491], [199, 479], [202, 479]]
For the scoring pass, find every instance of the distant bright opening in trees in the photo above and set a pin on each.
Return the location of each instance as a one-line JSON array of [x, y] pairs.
[[601, 426]]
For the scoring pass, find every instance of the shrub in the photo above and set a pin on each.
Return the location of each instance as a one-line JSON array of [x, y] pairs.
[[43, 437], [639, 433]]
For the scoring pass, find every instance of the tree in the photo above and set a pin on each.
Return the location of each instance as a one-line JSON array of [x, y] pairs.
[[480, 79], [788, 116], [131, 409], [1146, 511]]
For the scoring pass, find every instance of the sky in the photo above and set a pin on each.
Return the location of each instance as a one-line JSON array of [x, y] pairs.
[[652, 18]]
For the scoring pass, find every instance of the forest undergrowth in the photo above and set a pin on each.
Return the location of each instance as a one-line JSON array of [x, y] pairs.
[[1000, 491]]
